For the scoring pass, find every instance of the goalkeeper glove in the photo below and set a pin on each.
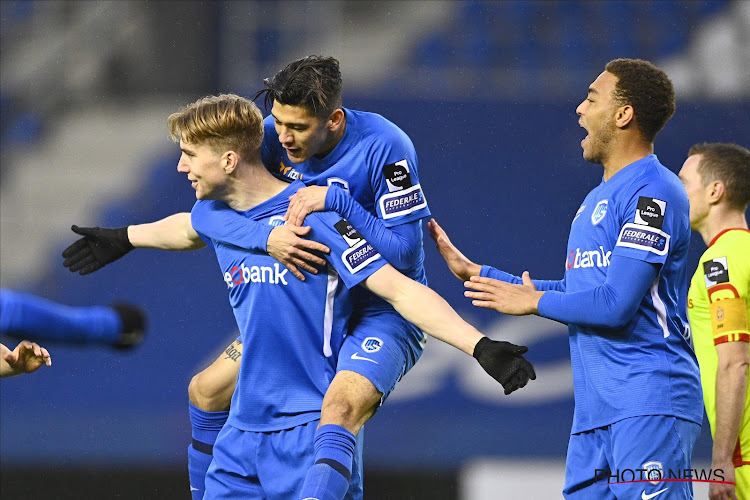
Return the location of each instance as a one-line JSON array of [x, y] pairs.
[[98, 247], [505, 363]]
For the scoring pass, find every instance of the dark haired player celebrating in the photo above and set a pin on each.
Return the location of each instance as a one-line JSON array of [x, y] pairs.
[[635, 376]]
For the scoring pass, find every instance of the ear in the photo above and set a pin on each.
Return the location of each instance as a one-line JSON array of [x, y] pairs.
[[624, 115], [229, 161], [715, 192], [336, 119]]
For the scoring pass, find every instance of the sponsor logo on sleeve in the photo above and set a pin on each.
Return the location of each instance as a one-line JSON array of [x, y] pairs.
[[357, 257], [600, 210], [397, 176], [716, 271], [402, 202], [650, 212], [643, 238], [347, 231]]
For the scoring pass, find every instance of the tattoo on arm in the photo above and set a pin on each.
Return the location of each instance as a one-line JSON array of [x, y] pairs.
[[233, 353]]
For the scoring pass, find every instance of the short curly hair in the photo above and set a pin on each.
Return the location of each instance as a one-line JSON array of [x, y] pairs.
[[224, 122], [313, 82], [728, 163], [648, 89]]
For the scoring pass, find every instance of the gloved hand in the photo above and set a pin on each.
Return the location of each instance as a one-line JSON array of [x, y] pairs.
[[98, 247], [505, 363]]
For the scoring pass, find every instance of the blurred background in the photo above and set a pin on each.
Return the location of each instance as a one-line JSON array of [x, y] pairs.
[[486, 90]]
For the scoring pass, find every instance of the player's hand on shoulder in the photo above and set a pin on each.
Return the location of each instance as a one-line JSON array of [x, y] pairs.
[[304, 202], [505, 363], [287, 245], [98, 247]]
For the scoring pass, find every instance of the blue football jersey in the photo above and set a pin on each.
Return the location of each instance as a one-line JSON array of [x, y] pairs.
[[291, 330], [647, 367], [375, 162]]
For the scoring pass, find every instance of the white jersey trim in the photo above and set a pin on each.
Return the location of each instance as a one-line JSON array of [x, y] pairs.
[[661, 309], [333, 283]]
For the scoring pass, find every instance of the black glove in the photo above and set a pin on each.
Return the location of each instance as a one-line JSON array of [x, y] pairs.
[[98, 247], [505, 363]]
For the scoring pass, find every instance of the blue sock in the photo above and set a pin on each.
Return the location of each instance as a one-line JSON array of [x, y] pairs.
[[328, 478], [206, 426], [25, 315]]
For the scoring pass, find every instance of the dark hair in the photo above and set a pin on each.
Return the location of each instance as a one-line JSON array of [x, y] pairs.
[[728, 163], [313, 82], [648, 89]]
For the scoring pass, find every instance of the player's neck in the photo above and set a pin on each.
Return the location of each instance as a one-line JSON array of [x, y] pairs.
[[623, 153], [253, 185], [719, 220]]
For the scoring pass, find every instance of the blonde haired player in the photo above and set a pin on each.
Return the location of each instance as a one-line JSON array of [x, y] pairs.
[[717, 180]]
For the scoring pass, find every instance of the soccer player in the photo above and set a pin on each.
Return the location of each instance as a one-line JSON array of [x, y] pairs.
[[717, 180], [25, 315], [297, 330], [623, 296], [27, 357], [365, 168]]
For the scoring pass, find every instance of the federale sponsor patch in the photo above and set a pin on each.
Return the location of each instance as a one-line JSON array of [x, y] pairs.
[[402, 202], [356, 258], [650, 212], [643, 238]]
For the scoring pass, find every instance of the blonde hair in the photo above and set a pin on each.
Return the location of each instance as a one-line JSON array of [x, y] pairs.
[[224, 122]]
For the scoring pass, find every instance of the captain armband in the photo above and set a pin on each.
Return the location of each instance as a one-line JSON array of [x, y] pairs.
[[729, 320]]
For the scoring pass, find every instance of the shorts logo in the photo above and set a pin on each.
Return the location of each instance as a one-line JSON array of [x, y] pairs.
[[650, 212], [276, 220], [716, 271], [372, 344], [347, 231], [600, 210], [402, 202], [654, 472], [643, 238], [397, 176], [357, 257]]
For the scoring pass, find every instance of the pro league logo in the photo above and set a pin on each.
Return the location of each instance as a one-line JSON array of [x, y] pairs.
[[397, 176], [350, 235], [650, 212], [716, 271]]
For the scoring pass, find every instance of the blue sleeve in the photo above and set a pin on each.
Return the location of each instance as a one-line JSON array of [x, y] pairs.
[[609, 305], [543, 285], [217, 221], [656, 212], [399, 245], [352, 256], [394, 179]]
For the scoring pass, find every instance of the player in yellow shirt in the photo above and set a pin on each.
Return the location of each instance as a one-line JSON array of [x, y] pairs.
[[717, 180]]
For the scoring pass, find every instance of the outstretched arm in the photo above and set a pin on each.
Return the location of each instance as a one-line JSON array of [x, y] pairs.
[[463, 268], [609, 305], [427, 310], [27, 357], [99, 246]]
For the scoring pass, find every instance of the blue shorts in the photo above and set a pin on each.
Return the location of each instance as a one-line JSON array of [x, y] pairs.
[[269, 465], [634, 453], [382, 346]]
